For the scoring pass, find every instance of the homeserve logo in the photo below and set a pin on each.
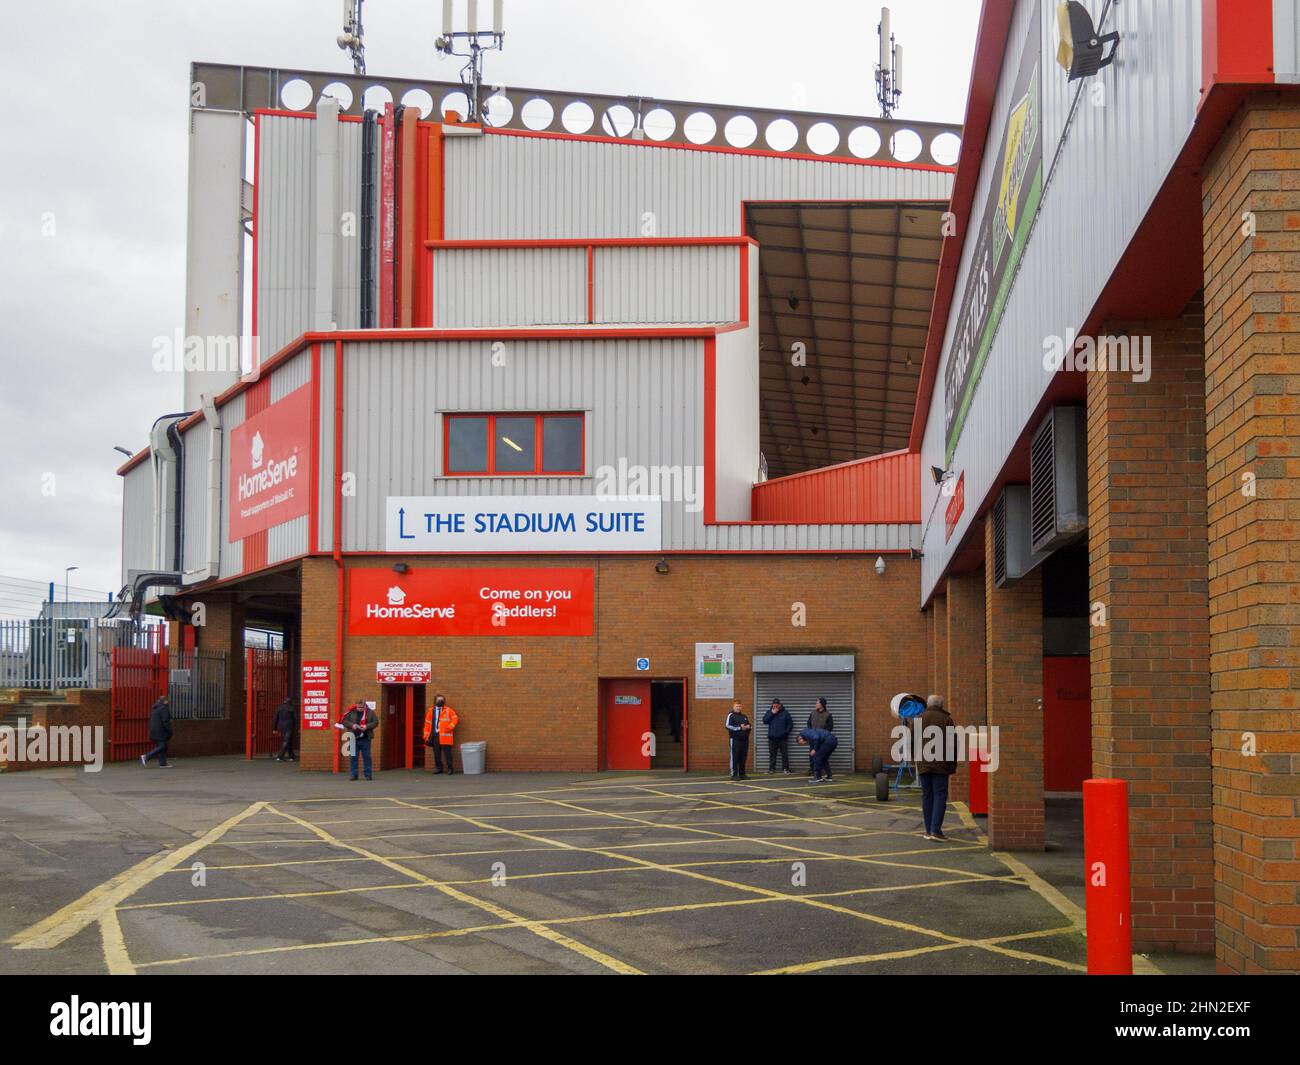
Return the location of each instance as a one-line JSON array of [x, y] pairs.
[[134, 1019], [398, 610], [271, 475]]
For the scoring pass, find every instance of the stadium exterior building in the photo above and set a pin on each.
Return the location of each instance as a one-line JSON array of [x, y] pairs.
[[609, 410]]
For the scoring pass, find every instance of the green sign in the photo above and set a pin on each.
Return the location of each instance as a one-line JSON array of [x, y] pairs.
[[1012, 205]]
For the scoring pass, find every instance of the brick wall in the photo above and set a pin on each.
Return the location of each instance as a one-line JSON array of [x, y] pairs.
[[1252, 370], [939, 646], [965, 688], [545, 715], [1013, 659], [1150, 660]]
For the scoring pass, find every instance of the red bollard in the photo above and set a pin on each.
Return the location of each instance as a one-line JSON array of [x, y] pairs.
[[979, 780], [1106, 874]]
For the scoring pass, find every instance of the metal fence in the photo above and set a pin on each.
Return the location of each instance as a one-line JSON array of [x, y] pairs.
[[196, 684], [54, 654]]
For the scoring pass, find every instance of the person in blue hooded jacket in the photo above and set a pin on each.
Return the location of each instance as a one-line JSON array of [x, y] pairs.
[[779, 725], [820, 744]]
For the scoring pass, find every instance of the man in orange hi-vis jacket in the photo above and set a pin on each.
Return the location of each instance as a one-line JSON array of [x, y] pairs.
[[440, 721]]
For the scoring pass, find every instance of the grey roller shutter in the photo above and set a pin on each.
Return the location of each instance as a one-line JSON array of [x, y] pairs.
[[789, 678]]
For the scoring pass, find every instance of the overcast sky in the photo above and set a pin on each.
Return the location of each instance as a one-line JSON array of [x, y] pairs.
[[92, 191]]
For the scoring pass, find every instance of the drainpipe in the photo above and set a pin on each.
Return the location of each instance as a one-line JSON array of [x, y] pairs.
[[164, 448]]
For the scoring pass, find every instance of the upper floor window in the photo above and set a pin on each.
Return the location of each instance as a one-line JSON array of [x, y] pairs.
[[508, 445]]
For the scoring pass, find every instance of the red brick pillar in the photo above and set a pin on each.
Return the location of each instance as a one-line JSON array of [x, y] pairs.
[[1252, 372], [223, 630], [1014, 683], [965, 646], [317, 636], [939, 647], [1149, 637]]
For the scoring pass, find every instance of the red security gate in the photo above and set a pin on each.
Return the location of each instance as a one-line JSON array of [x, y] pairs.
[[266, 684], [139, 678]]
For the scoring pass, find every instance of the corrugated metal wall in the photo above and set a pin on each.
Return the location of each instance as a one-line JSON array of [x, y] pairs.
[[509, 286], [232, 553], [646, 285], [1286, 40], [656, 284], [886, 488], [137, 518], [194, 540], [644, 400], [286, 238], [1113, 161], [501, 186]]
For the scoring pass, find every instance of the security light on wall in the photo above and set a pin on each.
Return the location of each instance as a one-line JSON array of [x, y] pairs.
[[1081, 51]]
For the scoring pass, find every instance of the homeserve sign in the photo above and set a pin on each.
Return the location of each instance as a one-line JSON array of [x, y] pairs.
[[523, 523]]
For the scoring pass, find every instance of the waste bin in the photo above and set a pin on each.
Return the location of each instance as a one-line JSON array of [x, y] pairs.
[[473, 756]]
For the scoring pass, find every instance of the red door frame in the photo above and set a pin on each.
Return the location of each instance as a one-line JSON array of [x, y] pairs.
[[405, 704], [602, 730]]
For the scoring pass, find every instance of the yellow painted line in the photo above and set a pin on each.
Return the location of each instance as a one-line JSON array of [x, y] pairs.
[[541, 930], [648, 911], [495, 855], [99, 901], [735, 886], [343, 861], [115, 955], [1059, 901], [859, 959]]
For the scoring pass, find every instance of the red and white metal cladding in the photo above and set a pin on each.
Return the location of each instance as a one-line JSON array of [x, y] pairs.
[[1131, 170]]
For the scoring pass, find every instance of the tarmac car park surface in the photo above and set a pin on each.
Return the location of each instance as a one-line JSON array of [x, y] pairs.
[[228, 866]]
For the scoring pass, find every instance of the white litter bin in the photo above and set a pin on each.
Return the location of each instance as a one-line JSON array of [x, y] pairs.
[[473, 756]]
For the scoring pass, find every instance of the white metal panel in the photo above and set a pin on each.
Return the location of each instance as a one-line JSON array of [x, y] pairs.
[[1286, 40], [657, 284], [347, 265], [736, 395], [291, 375], [509, 287], [286, 540], [137, 518], [286, 239], [232, 553], [644, 401], [501, 186], [1114, 157], [194, 530]]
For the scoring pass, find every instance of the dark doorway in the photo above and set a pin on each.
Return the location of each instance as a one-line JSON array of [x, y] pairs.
[[401, 718], [667, 703]]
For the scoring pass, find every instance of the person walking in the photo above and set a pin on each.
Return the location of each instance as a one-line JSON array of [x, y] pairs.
[[779, 726], [285, 723], [738, 730], [160, 732], [824, 721], [361, 721], [821, 745], [440, 722], [933, 765]]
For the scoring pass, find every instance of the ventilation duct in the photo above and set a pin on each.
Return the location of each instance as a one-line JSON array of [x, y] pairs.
[[1058, 479], [1013, 555]]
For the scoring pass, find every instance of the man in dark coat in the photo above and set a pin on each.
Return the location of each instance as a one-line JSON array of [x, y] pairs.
[[361, 721], [160, 732], [821, 744], [285, 723], [779, 724], [934, 766], [821, 718]]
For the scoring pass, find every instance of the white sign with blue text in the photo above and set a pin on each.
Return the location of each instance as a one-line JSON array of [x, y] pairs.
[[523, 523]]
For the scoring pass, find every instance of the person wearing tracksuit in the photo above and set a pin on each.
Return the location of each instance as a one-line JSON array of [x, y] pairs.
[[738, 730], [779, 725], [821, 744]]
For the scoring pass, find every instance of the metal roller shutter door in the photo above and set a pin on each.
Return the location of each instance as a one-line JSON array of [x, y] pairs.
[[798, 691]]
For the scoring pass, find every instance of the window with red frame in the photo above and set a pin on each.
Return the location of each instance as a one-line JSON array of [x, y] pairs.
[[512, 445]]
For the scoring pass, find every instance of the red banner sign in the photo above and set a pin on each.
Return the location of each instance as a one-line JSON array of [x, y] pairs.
[[315, 695], [403, 672], [269, 465], [956, 504], [470, 602]]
